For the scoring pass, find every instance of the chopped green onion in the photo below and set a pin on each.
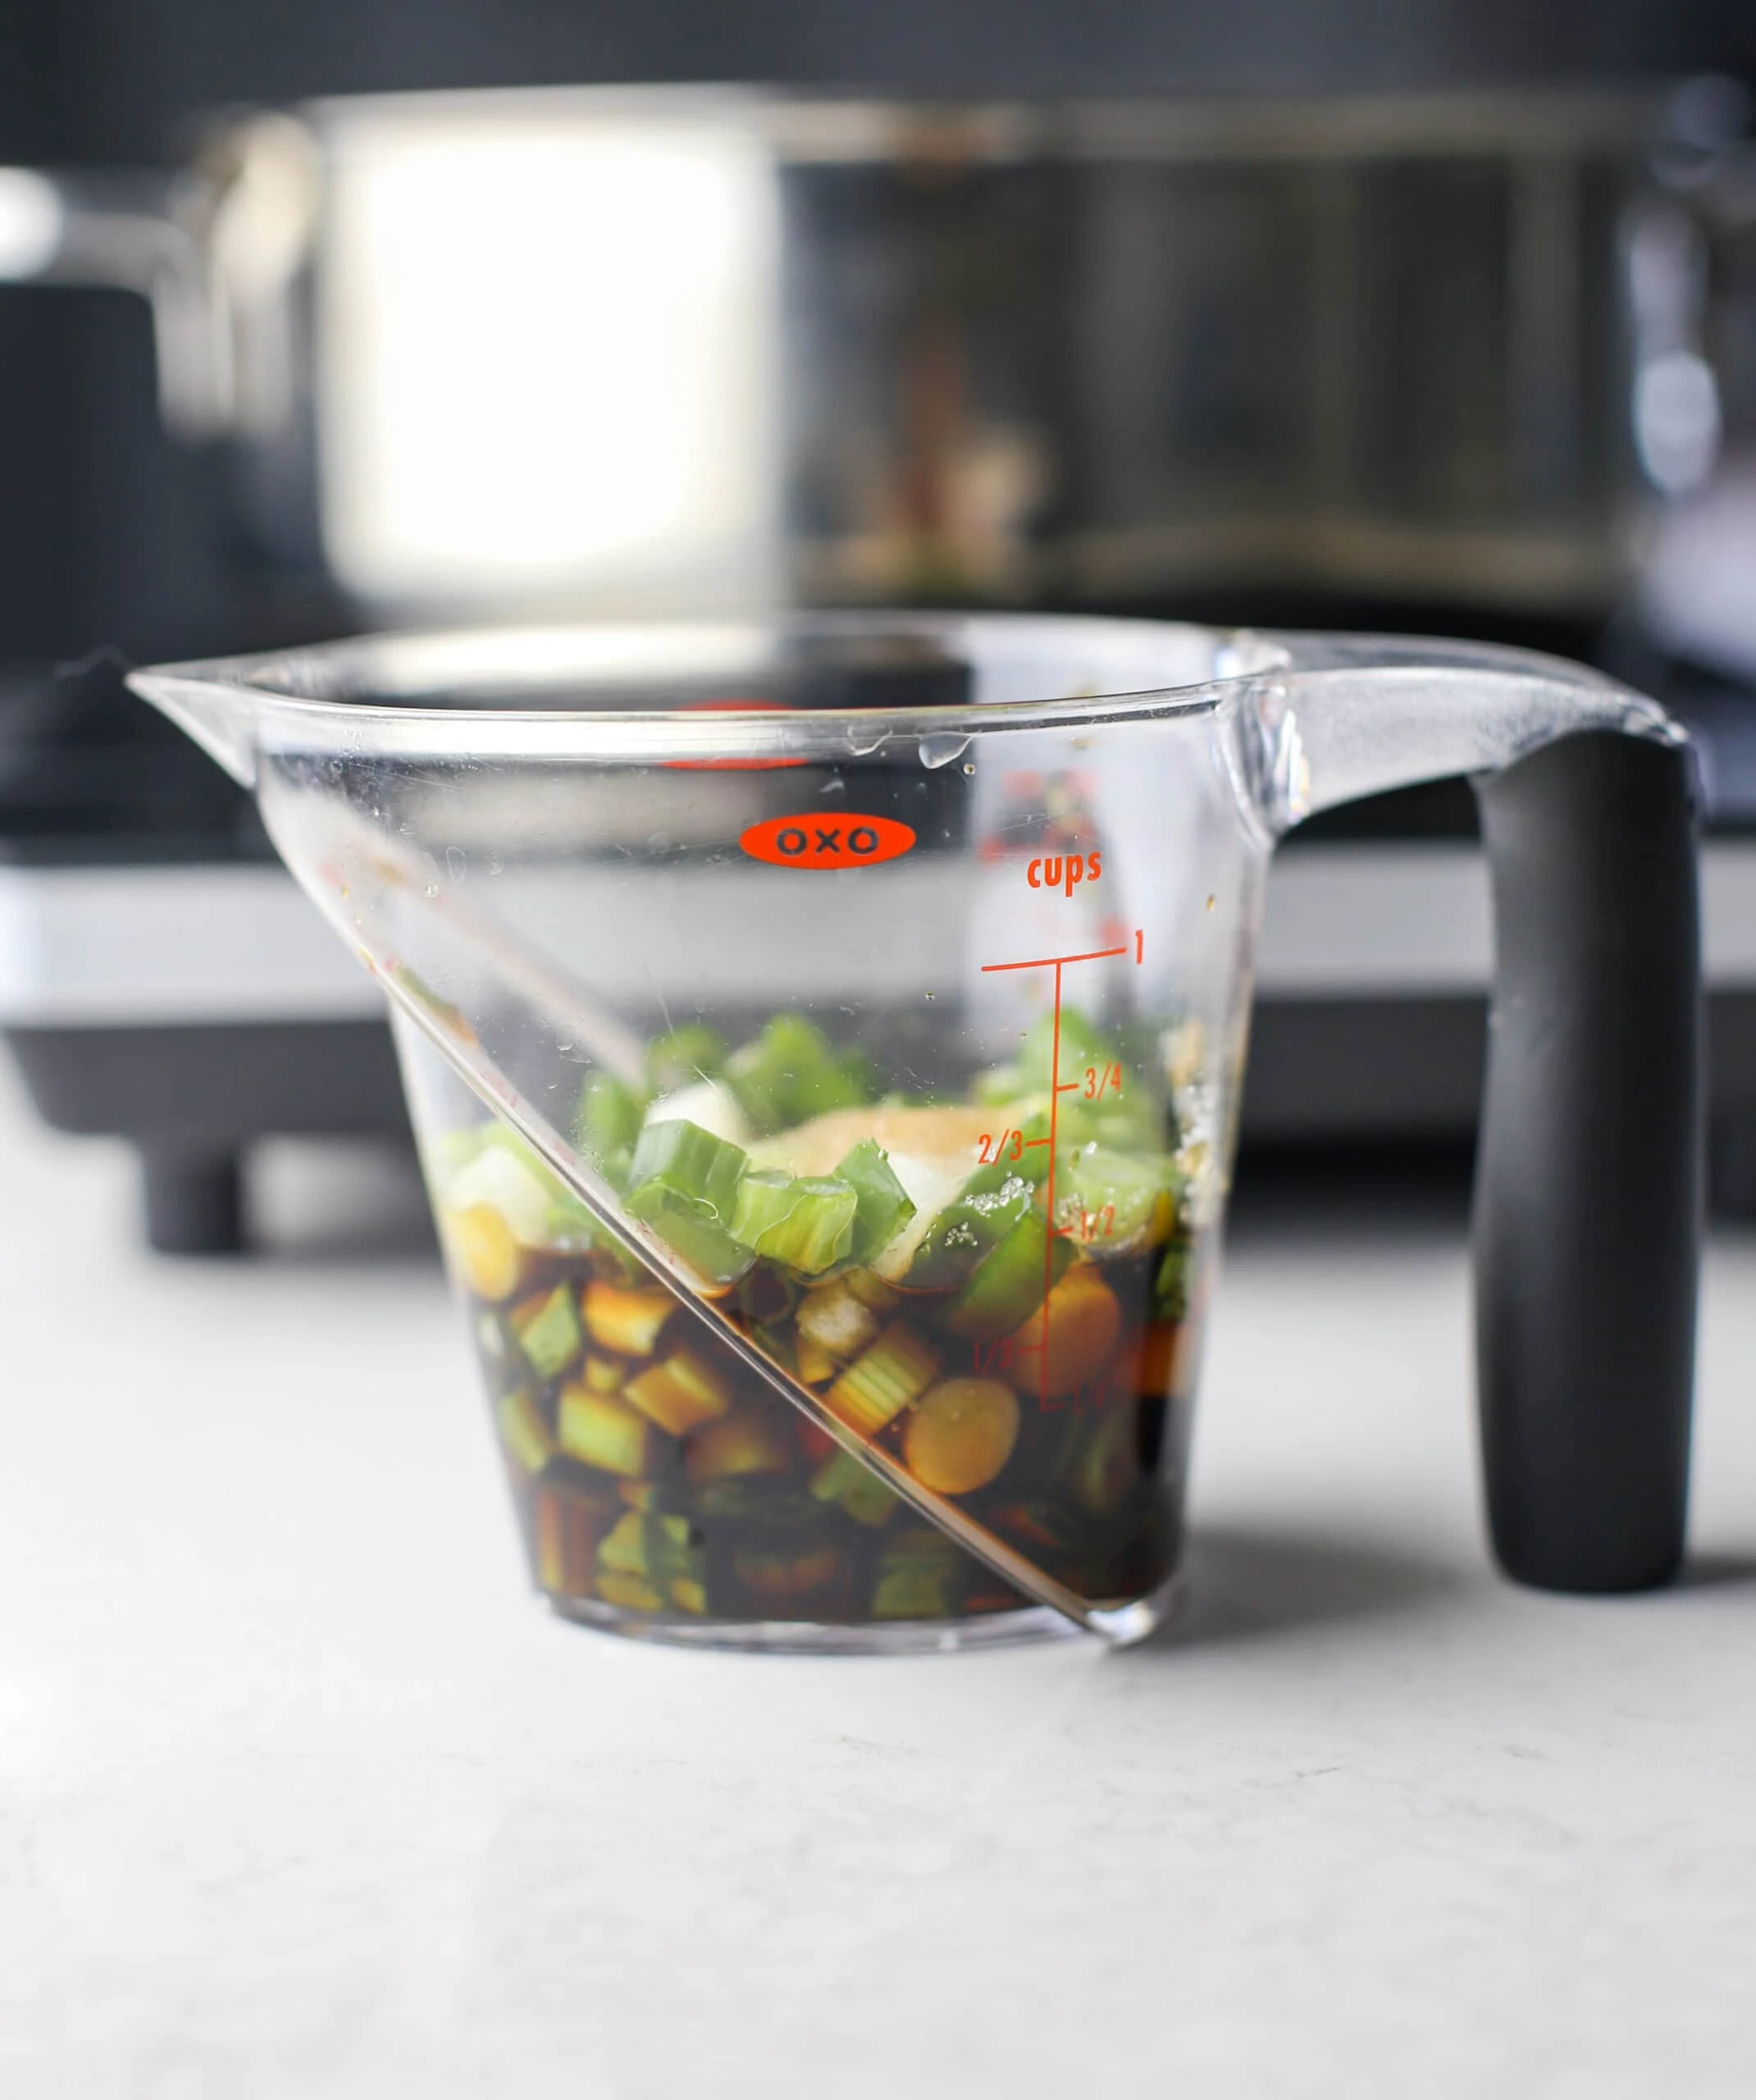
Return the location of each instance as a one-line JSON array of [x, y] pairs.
[[1069, 1047], [1133, 1123], [1108, 1462], [608, 1123], [503, 1173], [757, 1499], [1012, 1282], [768, 1295], [680, 1394], [602, 1430], [971, 1226], [524, 1432], [683, 1161], [1122, 1110], [1112, 1201], [1030, 1156], [791, 1073], [706, 1246], [890, 1376], [692, 1051], [549, 1332], [806, 1222], [844, 1479], [683, 1182], [811, 1362], [663, 1550], [882, 1205], [1171, 1287], [624, 1320], [917, 1578], [710, 1105], [780, 1345], [627, 1593], [624, 1547], [834, 1318], [871, 1290], [860, 1073]]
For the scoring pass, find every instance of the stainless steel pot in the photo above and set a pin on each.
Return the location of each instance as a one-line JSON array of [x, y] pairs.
[[623, 350]]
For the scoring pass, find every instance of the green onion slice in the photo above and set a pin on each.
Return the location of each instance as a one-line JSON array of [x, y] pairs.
[[683, 1182], [806, 1222], [1009, 1284], [1110, 1201], [791, 1073], [970, 1227], [882, 1205], [691, 1051]]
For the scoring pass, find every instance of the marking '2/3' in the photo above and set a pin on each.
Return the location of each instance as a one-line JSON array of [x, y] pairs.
[[845, 840]]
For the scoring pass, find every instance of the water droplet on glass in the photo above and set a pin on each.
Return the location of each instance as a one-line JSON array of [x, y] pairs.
[[940, 751], [495, 863], [863, 742], [969, 768], [457, 863], [432, 890]]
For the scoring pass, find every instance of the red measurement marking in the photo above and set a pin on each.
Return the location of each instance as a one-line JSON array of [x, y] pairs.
[[1055, 961], [1097, 1225], [1091, 1395], [1057, 1088], [1101, 1079], [1010, 1144]]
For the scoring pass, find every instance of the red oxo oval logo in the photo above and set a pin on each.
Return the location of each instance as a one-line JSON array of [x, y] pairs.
[[841, 841]]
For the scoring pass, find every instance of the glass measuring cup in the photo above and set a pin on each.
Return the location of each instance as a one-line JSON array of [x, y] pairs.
[[825, 1035]]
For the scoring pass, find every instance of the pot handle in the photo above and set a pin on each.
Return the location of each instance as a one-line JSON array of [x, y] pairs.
[[1588, 1181], [128, 233]]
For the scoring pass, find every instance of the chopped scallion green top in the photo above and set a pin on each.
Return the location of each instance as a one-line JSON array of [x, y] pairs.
[[807, 1222]]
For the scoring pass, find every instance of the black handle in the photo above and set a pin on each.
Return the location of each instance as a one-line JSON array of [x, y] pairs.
[[1588, 1181]]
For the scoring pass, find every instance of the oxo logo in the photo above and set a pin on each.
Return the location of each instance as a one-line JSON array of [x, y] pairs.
[[841, 841]]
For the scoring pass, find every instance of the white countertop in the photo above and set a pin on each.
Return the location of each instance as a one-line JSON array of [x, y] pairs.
[[301, 1793]]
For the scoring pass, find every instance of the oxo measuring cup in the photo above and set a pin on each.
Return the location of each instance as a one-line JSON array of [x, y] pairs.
[[824, 1039]]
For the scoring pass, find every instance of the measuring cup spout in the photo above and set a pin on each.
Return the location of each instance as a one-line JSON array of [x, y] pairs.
[[220, 717]]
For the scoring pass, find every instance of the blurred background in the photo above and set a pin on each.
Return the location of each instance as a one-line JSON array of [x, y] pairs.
[[1436, 318]]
